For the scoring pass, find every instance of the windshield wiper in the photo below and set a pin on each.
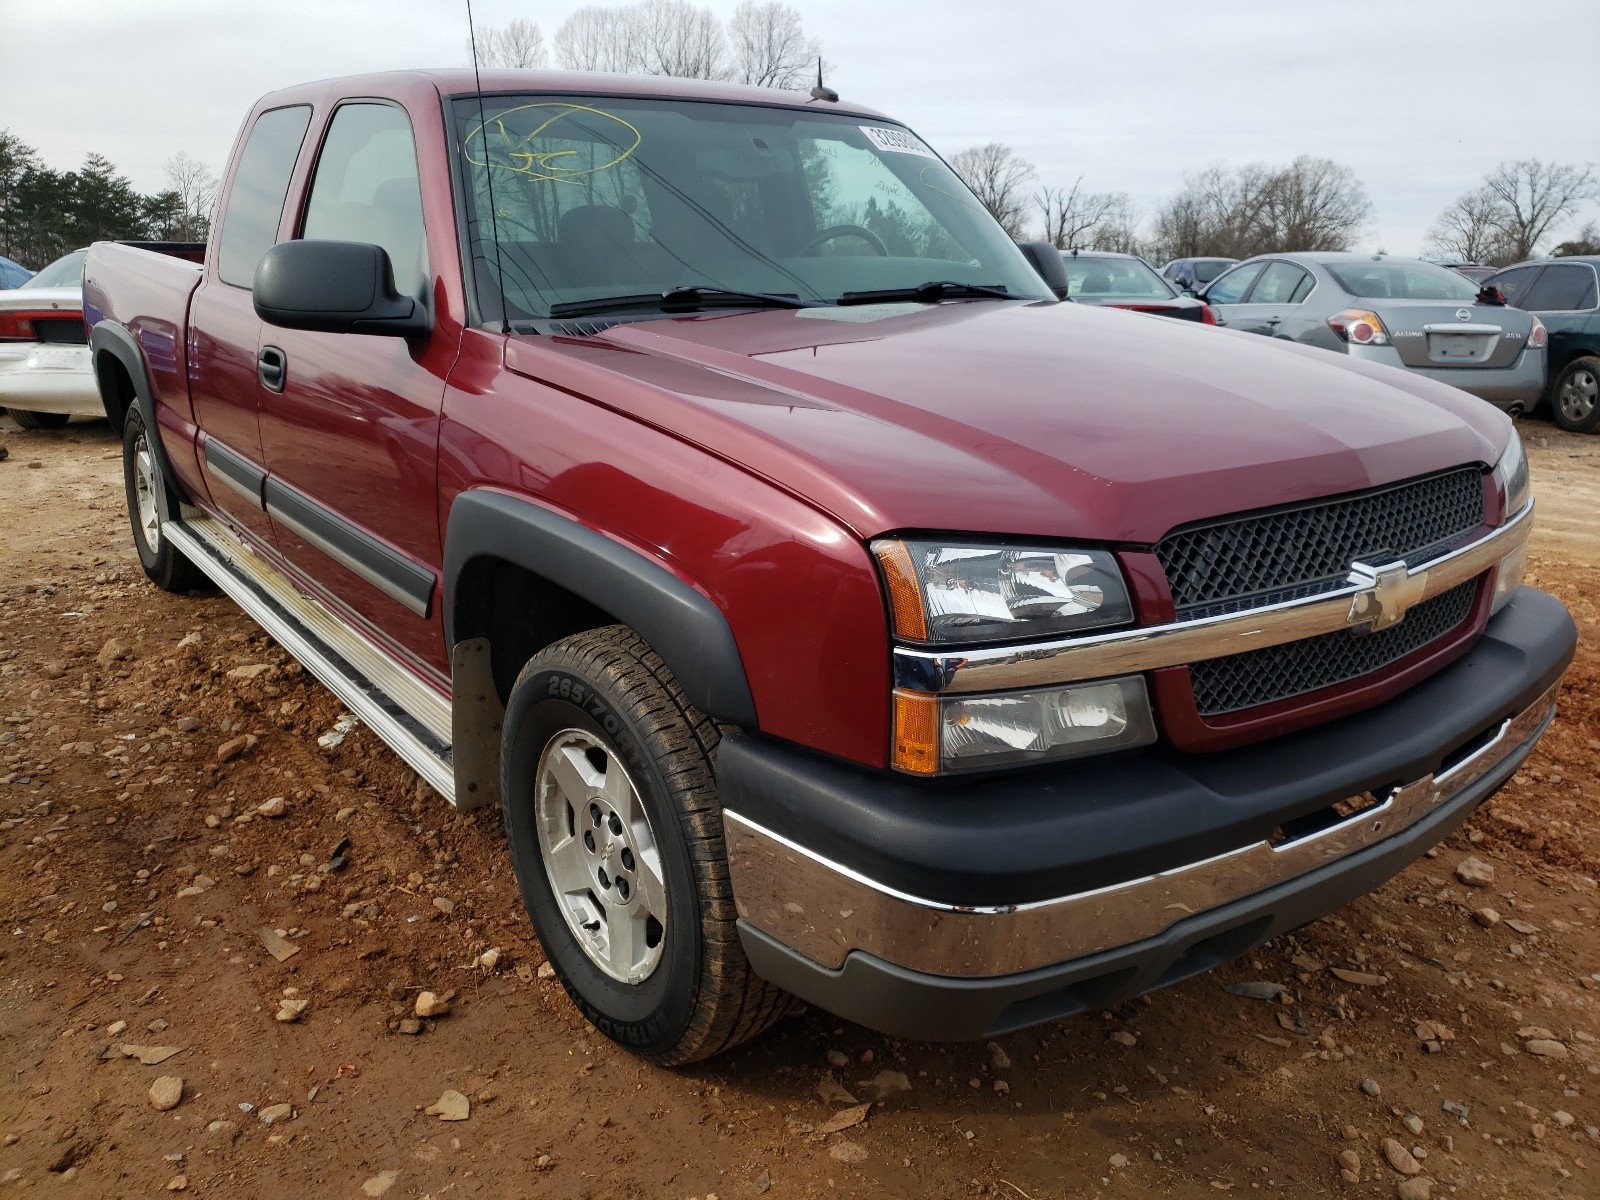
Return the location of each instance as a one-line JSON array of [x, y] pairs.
[[681, 298], [928, 293]]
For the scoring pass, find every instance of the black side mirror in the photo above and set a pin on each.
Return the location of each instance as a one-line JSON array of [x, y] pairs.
[[1046, 260], [334, 287]]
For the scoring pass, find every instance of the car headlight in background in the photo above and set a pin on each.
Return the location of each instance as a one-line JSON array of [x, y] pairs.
[[952, 733], [1511, 476], [943, 594]]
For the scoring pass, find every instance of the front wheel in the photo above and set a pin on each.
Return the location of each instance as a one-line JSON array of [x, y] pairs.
[[163, 562], [615, 834], [1575, 399], [28, 419]]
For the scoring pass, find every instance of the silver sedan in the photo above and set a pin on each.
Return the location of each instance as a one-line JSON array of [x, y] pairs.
[[1398, 311]]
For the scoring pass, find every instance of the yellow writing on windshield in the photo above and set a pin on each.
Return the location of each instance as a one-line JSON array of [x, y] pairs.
[[511, 151]]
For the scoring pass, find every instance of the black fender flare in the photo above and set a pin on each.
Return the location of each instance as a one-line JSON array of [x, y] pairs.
[[681, 623], [108, 338]]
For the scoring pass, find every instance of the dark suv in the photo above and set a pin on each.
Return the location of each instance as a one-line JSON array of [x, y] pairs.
[[1564, 294]]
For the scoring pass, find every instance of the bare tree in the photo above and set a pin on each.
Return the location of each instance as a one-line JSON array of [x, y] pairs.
[[1532, 196], [196, 191], [997, 174], [1312, 204], [1309, 204], [769, 46], [655, 37], [518, 44], [682, 40], [1469, 230], [598, 38], [1073, 217]]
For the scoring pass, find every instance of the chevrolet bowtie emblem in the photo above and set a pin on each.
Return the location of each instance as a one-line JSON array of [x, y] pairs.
[[1386, 593]]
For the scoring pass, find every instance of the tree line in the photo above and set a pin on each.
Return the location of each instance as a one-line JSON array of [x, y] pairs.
[[1311, 203], [45, 213], [763, 44]]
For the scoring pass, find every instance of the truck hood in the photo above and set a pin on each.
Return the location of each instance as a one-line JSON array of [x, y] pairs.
[[1033, 419]]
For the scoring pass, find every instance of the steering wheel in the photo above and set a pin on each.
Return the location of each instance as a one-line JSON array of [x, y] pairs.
[[835, 231]]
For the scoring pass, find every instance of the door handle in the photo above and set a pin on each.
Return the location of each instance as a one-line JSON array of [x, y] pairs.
[[272, 365]]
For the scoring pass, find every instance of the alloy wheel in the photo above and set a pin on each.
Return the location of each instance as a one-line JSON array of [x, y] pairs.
[[1579, 395], [600, 855]]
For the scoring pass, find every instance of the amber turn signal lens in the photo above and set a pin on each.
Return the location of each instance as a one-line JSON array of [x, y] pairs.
[[905, 597], [916, 732]]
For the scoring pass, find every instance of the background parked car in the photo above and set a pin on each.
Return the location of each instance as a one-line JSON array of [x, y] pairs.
[[45, 374], [1195, 273], [1400, 311], [1126, 281], [1565, 294], [12, 273], [1477, 272]]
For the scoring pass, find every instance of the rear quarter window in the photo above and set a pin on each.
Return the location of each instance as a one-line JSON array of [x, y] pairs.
[[255, 201]]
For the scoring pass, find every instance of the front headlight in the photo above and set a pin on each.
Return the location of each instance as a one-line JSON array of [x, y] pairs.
[[935, 734], [1511, 474], [941, 593]]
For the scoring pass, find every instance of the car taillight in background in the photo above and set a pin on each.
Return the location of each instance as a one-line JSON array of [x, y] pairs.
[[1359, 327], [1207, 316], [1537, 337], [17, 325]]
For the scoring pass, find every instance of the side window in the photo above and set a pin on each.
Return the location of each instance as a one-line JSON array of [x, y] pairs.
[[255, 201], [1513, 283], [366, 189], [1229, 288], [1277, 285], [1566, 288], [1303, 288]]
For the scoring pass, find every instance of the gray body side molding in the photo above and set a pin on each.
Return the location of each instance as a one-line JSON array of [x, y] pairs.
[[681, 624]]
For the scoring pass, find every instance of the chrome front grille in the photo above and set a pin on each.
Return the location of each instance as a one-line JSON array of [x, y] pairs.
[[1257, 677], [1289, 554]]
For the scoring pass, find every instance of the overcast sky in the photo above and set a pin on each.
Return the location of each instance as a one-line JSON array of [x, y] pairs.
[[1419, 97]]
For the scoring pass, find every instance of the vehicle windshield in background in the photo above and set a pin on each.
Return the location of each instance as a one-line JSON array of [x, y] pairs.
[[597, 198], [1402, 281], [66, 271], [1114, 279], [1207, 269]]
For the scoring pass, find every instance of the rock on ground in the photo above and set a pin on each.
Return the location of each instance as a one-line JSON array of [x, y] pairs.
[[166, 1092]]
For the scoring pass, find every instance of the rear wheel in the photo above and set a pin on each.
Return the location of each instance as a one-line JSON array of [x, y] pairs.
[[163, 562], [27, 419], [1575, 399], [615, 834]]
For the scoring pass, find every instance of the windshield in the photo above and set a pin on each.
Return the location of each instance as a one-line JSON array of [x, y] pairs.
[[1402, 281], [66, 271], [1113, 279], [1207, 269], [598, 198]]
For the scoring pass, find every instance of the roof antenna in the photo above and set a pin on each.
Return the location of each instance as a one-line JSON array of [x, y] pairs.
[[488, 170], [823, 93]]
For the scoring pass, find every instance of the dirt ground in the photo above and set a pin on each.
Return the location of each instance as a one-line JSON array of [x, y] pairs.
[[136, 876]]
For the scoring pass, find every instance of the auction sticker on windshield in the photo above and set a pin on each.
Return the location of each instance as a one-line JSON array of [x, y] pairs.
[[896, 140]]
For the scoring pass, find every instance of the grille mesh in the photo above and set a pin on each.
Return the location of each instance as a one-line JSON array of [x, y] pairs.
[[1245, 561], [1224, 685]]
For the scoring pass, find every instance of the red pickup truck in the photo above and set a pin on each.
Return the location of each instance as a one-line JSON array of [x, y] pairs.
[[700, 474]]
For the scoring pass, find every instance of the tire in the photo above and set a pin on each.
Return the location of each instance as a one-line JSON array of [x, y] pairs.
[[142, 481], [27, 419], [1575, 398], [611, 814]]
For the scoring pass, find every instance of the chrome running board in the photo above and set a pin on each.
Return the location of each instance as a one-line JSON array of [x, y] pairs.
[[402, 710]]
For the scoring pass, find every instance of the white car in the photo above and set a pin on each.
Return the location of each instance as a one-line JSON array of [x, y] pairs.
[[45, 375]]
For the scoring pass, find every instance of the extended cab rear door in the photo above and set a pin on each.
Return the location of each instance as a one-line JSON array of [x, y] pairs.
[[223, 325], [350, 422]]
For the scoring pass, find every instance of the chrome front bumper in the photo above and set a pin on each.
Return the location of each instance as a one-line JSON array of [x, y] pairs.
[[825, 911]]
